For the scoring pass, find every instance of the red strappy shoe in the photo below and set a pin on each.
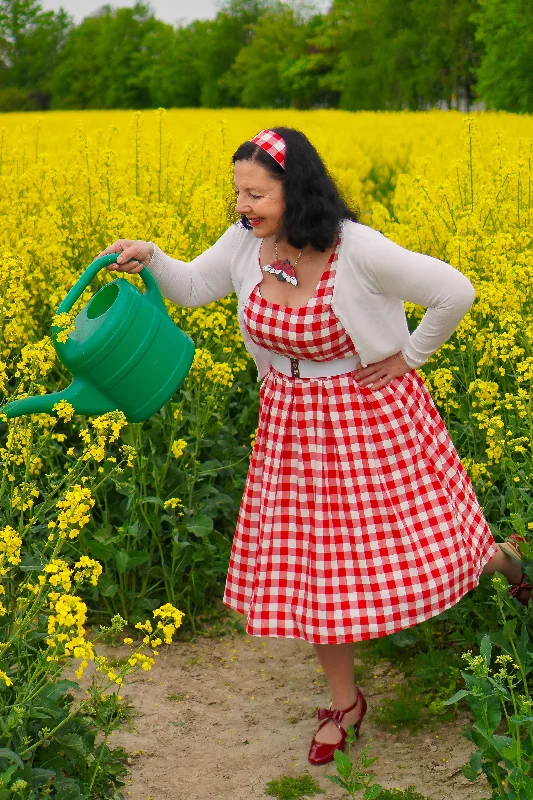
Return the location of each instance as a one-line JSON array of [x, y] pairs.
[[522, 590], [322, 752]]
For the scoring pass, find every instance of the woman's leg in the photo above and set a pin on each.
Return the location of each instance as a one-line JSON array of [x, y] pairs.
[[337, 661], [503, 563]]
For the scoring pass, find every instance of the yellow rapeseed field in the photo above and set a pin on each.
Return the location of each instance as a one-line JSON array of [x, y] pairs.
[[460, 189], [455, 187]]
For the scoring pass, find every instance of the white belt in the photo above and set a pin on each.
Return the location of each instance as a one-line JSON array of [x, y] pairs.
[[302, 368]]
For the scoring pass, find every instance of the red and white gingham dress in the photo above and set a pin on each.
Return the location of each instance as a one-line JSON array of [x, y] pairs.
[[358, 518]]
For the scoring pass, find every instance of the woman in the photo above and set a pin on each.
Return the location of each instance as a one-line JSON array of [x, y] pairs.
[[358, 518]]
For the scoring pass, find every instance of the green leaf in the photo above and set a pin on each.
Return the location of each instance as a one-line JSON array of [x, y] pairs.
[[122, 560], [40, 777], [5, 776], [53, 691], [155, 500], [498, 638], [485, 649], [338, 781], [528, 786], [200, 525], [476, 760], [524, 653], [372, 792], [30, 564], [220, 540], [208, 467], [343, 763], [134, 529], [106, 586], [73, 745], [469, 773], [457, 696], [494, 713], [5, 752], [519, 719], [125, 489], [511, 752], [100, 551], [68, 789], [494, 742], [104, 532], [404, 638], [509, 629], [138, 558]]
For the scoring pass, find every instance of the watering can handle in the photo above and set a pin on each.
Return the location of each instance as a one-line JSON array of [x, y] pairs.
[[152, 289]]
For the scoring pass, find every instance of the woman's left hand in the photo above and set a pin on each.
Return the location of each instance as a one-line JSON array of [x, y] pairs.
[[378, 375]]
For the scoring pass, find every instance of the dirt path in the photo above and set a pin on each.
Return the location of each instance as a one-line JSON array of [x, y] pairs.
[[219, 718]]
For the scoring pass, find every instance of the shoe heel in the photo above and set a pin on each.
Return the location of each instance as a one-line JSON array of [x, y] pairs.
[[357, 725]]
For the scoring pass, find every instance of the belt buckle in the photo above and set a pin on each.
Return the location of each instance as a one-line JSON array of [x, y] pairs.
[[295, 367]]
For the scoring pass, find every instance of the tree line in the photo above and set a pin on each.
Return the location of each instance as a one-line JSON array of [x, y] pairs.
[[359, 55]]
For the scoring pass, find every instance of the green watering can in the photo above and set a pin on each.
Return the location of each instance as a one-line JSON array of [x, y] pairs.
[[125, 353]]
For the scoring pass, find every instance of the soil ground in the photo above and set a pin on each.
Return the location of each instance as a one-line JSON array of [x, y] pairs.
[[218, 718]]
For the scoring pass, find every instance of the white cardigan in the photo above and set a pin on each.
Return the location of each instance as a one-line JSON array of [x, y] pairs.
[[374, 276]]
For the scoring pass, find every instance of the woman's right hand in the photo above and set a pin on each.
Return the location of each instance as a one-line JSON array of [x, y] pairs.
[[134, 255]]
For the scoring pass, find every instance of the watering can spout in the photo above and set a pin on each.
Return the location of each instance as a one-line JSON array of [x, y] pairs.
[[84, 397]]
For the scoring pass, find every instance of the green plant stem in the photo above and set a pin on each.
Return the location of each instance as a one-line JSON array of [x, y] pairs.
[[100, 754], [58, 727], [496, 772]]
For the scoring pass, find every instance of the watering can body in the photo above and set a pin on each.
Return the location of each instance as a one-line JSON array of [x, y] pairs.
[[125, 353]]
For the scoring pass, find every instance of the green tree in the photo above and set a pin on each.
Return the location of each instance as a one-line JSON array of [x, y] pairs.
[[283, 62], [176, 76], [449, 51], [366, 72], [505, 73], [308, 77], [409, 55], [31, 43], [255, 78], [226, 35], [108, 58]]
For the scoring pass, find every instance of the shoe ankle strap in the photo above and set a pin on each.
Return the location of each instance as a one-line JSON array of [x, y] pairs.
[[337, 714]]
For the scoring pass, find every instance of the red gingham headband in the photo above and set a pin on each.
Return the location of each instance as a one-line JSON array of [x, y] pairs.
[[273, 144]]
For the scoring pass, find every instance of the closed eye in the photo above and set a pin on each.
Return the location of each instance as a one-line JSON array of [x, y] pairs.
[[253, 196]]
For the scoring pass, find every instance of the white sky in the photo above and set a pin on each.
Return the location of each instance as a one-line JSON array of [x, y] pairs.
[[167, 10], [172, 11]]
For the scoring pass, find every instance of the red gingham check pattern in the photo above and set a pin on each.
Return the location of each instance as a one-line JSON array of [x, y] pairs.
[[358, 518], [286, 331], [273, 144]]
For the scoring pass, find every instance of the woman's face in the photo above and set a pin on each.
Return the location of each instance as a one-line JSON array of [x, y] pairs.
[[259, 197]]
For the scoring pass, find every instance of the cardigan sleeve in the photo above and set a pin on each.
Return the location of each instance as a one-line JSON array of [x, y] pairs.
[[200, 281], [427, 281]]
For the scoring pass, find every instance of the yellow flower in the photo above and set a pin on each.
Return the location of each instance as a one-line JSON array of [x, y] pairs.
[[10, 546], [173, 502], [64, 321], [64, 410], [178, 447], [87, 569], [74, 511]]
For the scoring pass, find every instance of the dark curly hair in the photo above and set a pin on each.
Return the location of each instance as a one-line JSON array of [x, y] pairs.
[[314, 205]]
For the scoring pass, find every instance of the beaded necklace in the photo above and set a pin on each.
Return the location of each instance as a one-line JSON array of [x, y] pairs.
[[282, 268]]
